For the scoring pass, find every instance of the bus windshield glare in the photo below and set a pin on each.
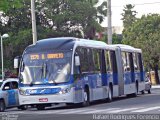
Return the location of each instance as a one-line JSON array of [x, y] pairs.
[[42, 68]]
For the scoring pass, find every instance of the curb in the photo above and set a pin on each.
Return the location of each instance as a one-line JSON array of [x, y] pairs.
[[156, 86]]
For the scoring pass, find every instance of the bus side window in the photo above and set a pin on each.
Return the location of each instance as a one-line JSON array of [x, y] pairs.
[[140, 63], [128, 67], [136, 63], [124, 61], [131, 62], [113, 61], [84, 65], [77, 69], [82, 52], [96, 54], [90, 60], [108, 61], [102, 61]]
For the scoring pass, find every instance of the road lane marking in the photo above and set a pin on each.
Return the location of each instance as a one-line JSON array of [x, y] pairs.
[[147, 109], [57, 111], [98, 111], [77, 111], [122, 110]]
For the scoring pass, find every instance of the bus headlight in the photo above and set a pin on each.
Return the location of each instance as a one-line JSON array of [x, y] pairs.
[[22, 91], [64, 90]]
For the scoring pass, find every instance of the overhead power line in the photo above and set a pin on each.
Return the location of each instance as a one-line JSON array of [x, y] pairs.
[[141, 4]]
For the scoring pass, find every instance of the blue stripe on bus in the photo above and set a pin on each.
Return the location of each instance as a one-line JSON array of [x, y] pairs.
[[127, 77], [131, 77], [42, 91], [115, 78]]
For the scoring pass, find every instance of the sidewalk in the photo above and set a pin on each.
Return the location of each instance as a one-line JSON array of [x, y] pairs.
[[156, 86]]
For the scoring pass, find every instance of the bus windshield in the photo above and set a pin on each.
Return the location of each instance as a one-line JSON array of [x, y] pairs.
[[42, 68]]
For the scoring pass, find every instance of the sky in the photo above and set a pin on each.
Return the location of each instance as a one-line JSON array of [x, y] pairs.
[[141, 6]]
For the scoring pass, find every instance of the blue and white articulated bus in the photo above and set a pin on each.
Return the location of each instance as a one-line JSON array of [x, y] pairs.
[[73, 70], [128, 71]]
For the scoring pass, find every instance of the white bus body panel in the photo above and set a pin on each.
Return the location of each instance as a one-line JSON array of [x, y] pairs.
[[50, 98]]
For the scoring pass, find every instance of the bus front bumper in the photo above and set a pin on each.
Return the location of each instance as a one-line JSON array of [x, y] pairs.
[[46, 99]]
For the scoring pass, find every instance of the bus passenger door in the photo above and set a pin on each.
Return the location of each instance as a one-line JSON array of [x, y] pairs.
[[77, 78], [115, 73], [103, 69], [120, 71], [132, 67]]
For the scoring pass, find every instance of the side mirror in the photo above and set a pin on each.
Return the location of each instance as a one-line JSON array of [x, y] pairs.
[[77, 61], [16, 62]]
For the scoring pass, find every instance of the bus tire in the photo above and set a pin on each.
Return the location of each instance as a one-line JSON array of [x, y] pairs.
[[40, 107], [110, 94], [23, 107], [2, 106], [86, 100]]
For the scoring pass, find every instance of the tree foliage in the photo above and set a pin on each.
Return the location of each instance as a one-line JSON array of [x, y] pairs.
[[67, 16], [117, 38], [144, 33], [5, 5], [129, 15], [54, 18]]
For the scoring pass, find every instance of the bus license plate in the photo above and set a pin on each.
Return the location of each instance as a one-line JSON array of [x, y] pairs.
[[43, 99]]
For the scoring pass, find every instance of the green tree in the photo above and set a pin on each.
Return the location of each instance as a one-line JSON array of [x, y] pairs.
[[117, 38], [129, 15], [5, 5], [54, 18], [144, 34], [67, 16]]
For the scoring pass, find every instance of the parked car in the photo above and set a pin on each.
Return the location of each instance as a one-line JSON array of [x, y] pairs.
[[148, 84], [9, 94]]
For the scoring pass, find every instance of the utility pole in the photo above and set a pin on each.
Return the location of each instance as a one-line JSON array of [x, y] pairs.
[[109, 30], [34, 30]]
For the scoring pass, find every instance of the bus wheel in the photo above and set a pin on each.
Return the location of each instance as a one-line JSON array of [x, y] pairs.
[[85, 98], [40, 107], [2, 106], [23, 107], [110, 94]]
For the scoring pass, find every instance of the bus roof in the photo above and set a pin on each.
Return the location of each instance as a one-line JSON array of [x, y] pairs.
[[127, 48], [62, 43], [65, 43], [90, 43], [70, 43]]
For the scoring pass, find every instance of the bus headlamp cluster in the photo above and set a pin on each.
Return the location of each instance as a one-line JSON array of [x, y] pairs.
[[65, 90], [22, 92]]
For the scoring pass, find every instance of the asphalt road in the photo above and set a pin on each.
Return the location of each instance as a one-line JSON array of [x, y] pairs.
[[145, 106]]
